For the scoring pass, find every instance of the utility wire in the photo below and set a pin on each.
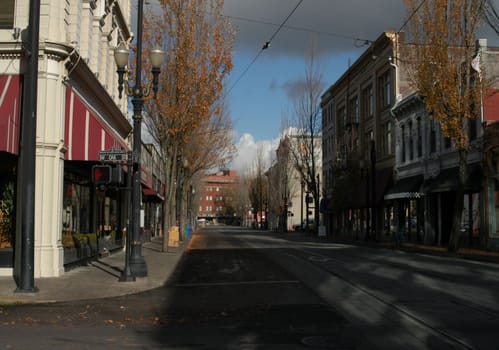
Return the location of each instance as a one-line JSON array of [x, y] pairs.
[[244, 72], [491, 16], [302, 29], [265, 46]]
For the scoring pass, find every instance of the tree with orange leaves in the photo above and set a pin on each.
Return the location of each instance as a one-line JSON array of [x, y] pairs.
[[441, 47], [188, 119]]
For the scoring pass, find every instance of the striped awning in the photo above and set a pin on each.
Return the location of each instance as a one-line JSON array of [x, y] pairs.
[[10, 109], [86, 133]]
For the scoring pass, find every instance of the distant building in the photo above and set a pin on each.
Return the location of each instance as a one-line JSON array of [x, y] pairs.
[[291, 203], [217, 196]]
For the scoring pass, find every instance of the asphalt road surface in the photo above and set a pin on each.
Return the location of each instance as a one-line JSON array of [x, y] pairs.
[[244, 289]]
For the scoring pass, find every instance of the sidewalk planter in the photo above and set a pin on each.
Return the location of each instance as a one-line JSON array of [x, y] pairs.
[[80, 247]]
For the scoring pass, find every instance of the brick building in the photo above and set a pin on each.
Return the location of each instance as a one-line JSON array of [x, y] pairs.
[[217, 201]]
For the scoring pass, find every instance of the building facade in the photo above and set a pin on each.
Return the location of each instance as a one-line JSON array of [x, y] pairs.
[[358, 141], [217, 197], [78, 115], [426, 171], [291, 203]]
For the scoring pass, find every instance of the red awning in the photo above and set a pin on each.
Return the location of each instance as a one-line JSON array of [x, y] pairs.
[[149, 191], [86, 133], [491, 106], [151, 195], [10, 108]]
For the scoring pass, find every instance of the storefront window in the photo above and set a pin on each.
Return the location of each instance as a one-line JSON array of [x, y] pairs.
[[90, 219], [7, 215], [76, 213]]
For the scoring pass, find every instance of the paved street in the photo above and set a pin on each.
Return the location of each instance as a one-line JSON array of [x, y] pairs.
[[237, 288]]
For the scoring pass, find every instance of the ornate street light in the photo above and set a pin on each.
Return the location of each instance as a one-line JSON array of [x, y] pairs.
[[138, 267]]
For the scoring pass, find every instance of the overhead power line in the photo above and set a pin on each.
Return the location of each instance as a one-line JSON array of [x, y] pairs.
[[301, 29], [265, 46], [284, 22]]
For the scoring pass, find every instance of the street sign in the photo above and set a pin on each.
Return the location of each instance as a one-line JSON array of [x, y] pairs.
[[113, 155]]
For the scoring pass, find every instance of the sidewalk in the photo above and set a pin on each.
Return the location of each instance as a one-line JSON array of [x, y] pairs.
[[100, 279]]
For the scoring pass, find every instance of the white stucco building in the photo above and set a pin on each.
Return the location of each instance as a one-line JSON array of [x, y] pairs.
[[78, 114]]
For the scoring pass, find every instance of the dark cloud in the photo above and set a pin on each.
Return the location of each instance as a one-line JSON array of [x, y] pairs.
[[294, 88], [337, 26], [333, 24]]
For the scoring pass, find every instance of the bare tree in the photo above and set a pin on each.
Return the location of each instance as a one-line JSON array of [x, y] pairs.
[[258, 186], [305, 142]]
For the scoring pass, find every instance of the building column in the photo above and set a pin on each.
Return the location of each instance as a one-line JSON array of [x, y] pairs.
[[49, 254]]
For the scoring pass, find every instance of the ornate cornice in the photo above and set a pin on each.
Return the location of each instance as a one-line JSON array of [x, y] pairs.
[[403, 108], [11, 50]]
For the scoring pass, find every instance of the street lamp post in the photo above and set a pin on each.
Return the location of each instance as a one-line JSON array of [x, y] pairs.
[[138, 265], [126, 275]]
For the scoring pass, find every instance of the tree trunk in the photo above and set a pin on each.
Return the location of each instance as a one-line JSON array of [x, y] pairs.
[[316, 214], [168, 217], [458, 202]]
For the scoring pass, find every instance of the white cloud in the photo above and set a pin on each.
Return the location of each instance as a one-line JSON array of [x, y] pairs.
[[247, 149]]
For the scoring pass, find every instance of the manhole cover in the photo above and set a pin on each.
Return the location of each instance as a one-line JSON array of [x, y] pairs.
[[324, 342]]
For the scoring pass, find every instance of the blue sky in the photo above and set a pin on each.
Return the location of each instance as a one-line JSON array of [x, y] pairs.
[[260, 98]]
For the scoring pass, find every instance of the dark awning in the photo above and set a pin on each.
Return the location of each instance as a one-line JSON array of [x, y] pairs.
[[406, 188], [448, 181], [383, 180]]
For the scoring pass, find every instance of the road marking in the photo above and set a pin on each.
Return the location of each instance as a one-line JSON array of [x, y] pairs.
[[205, 284]]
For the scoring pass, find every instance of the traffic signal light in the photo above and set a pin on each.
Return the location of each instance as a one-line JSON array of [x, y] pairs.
[[102, 174]]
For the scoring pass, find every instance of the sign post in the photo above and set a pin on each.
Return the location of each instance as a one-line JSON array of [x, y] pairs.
[[122, 156]]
